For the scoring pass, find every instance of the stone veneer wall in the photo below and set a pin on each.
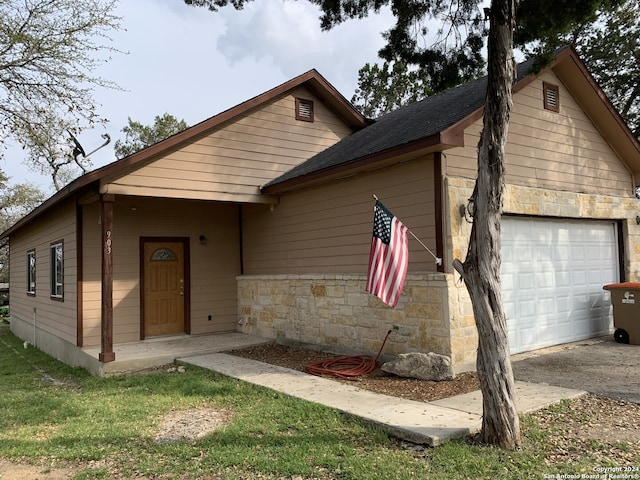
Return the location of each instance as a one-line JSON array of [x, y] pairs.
[[333, 310]]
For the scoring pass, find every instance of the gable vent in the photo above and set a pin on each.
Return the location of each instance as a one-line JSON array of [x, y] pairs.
[[304, 110], [551, 95]]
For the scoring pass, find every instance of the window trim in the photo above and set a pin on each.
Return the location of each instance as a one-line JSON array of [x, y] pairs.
[[304, 118], [546, 89], [31, 272], [53, 280]]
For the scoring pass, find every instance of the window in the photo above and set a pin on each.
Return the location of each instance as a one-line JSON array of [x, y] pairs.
[[551, 95], [163, 254], [31, 272], [57, 270], [304, 110]]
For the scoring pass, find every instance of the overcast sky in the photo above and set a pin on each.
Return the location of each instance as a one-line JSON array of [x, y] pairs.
[[193, 64]]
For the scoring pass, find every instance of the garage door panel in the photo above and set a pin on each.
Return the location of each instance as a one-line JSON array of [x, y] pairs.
[[526, 311], [579, 279], [552, 276], [546, 306], [578, 253], [562, 279], [525, 255], [543, 254], [545, 335], [525, 280], [595, 252], [563, 304], [595, 276], [561, 253], [545, 279]]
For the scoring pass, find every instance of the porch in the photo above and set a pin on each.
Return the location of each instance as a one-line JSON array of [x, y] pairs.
[[145, 354]]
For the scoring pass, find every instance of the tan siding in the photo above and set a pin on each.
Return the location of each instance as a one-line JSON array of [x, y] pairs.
[[92, 275], [561, 151], [239, 157], [54, 316], [328, 229], [214, 266]]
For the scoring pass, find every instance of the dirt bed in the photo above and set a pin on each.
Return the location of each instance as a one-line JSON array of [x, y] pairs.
[[376, 381]]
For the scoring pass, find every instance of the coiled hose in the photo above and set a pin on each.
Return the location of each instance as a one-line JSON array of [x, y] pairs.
[[346, 367]]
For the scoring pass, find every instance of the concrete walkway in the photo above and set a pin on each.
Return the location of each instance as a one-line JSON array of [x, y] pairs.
[[429, 423]]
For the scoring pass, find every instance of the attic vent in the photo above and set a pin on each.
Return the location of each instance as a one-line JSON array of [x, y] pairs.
[[551, 95], [304, 110]]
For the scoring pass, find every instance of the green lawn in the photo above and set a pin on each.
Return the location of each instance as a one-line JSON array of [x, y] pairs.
[[52, 414]]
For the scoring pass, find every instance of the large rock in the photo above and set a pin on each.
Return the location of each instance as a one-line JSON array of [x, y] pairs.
[[424, 366]]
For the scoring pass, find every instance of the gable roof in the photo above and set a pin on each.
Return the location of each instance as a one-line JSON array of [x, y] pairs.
[[438, 122], [312, 80]]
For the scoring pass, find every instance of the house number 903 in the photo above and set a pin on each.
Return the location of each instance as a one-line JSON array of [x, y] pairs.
[[107, 243]]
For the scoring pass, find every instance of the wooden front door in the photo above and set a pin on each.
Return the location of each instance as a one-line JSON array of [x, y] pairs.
[[164, 288]]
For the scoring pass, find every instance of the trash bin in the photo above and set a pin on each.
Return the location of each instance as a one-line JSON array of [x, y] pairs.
[[625, 298]]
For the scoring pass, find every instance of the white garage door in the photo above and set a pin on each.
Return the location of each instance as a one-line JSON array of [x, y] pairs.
[[552, 276]]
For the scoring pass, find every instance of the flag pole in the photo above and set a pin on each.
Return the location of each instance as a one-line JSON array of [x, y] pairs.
[[436, 258]]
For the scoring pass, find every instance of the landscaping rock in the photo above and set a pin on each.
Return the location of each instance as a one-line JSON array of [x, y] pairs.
[[424, 366]]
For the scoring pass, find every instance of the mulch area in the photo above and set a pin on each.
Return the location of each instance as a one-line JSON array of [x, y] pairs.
[[297, 358]]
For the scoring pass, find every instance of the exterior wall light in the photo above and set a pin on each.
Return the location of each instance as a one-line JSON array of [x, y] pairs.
[[467, 211]]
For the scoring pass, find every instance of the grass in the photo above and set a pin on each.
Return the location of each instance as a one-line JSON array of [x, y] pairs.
[[52, 414]]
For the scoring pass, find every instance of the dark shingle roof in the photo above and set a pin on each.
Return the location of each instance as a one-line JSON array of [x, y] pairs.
[[408, 124]]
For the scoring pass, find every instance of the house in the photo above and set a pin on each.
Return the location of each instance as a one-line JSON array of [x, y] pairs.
[[259, 220]]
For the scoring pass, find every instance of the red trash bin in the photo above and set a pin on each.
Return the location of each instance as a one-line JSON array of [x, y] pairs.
[[625, 298]]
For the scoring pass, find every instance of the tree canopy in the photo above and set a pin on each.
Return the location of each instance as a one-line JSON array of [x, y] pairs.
[[49, 50], [610, 48], [382, 89], [15, 202], [608, 42], [139, 136]]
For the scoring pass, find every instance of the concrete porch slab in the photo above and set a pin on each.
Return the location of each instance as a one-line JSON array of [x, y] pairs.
[[158, 351]]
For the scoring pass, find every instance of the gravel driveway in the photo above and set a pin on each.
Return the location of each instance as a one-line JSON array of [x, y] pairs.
[[600, 366]]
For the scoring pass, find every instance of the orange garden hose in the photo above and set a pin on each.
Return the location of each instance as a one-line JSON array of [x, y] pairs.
[[346, 367]]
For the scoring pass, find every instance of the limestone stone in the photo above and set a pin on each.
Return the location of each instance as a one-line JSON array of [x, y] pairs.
[[423, 366]]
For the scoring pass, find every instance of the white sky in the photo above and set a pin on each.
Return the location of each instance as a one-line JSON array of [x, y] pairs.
[[193, 64]]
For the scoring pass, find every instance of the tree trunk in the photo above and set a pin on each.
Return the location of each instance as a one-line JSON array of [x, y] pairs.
[[481, 269]]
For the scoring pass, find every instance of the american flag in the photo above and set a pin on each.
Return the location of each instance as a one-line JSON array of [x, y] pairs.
[[389, 256]]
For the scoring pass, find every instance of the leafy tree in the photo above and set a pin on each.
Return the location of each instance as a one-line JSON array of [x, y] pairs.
[[60, 160], [609, 44], [381, 89], [138, 136], [541, 21], [611, 50], [15, 202], [48, 51]]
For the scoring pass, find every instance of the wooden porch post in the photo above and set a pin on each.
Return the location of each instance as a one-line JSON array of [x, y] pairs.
[[106, 206]]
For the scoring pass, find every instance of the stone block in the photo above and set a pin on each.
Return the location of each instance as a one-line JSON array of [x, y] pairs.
[[424, 366], [422, 310], [336, 291], [319, 290], [357, 299]]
